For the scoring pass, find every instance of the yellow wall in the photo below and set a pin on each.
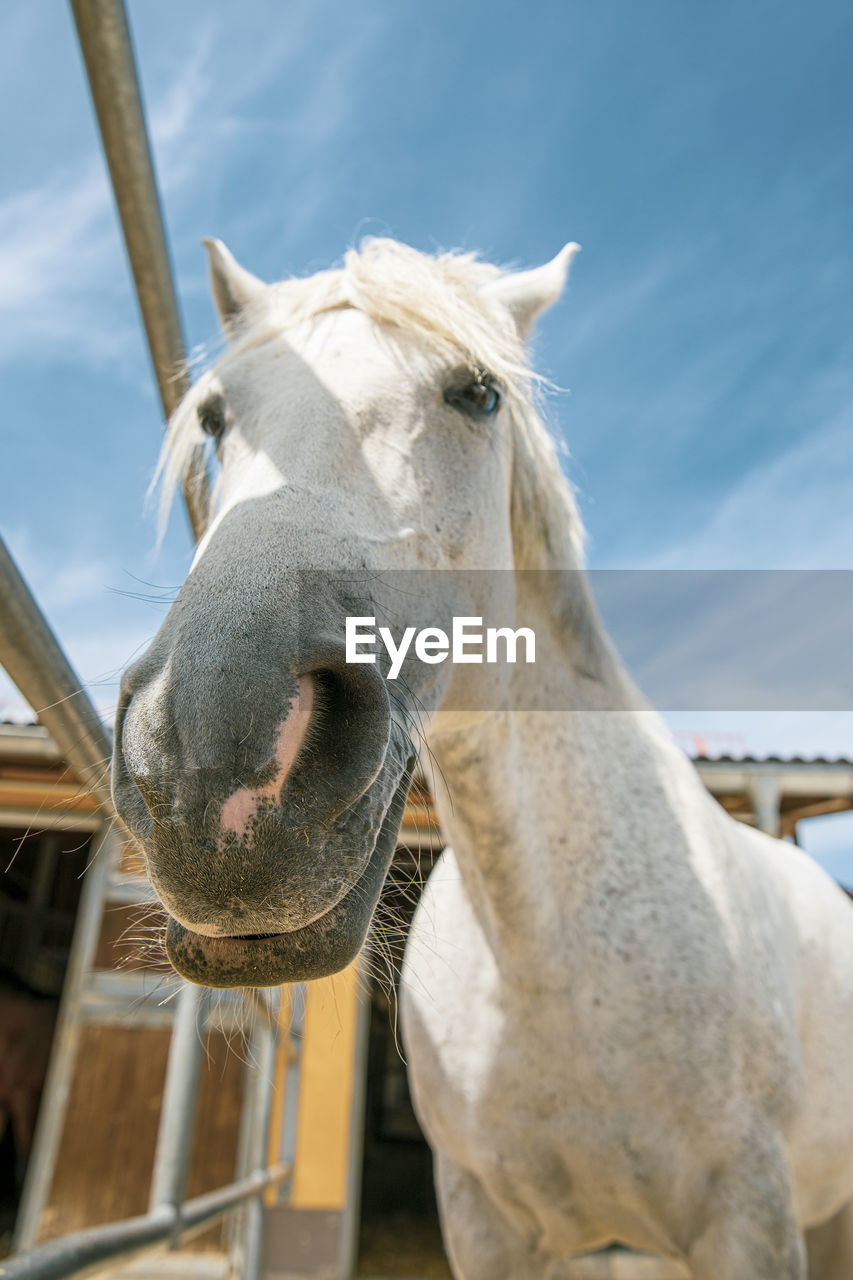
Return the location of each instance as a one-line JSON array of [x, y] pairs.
[[326, 1081]]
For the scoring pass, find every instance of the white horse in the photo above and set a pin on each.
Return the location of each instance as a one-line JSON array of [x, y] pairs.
[[628, 1019]]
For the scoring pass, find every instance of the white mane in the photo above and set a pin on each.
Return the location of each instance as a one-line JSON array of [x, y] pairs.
[[444, 300]]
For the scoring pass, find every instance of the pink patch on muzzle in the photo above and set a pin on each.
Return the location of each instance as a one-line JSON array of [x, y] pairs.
[[242, 805]]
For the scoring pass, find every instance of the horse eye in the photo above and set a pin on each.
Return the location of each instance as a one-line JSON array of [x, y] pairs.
[[479, 399], [211, 416]]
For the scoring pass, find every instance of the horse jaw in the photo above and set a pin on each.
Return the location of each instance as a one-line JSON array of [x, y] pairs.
[[526, 294]]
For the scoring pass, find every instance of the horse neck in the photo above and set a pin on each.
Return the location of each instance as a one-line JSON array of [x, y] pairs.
[[541, 806]]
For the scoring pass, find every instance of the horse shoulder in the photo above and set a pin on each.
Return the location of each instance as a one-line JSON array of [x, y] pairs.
[[450, 1006]]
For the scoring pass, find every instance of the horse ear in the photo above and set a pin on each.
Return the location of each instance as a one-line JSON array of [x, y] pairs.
[[526, 293], [233, 286]]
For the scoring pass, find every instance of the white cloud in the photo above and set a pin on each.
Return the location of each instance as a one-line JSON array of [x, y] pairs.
[[732, 639], [59, 265], [794, 512], [66, 286]]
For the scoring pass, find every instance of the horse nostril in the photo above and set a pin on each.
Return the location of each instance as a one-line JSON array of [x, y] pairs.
[[346, 740]]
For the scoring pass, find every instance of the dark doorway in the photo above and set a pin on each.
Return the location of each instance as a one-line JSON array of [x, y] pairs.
[[39, 895], [399, 1231]]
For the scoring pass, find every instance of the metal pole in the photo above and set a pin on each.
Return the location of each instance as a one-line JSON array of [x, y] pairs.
[[292, 1077], [766, 795], [105, 41], [254, 1135], [177, 1110], [85, 1252], [352, 1207], [264, 1049], [33, 658]]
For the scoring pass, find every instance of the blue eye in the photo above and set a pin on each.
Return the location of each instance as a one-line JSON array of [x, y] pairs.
[[479, 398]]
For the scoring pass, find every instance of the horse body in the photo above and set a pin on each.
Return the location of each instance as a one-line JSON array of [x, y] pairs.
[[655, 1052], [627, 1018]]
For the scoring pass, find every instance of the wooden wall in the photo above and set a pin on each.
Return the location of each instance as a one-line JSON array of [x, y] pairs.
[[110, 1133]]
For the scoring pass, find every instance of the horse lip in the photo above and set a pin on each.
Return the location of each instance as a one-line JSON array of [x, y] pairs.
[[250, 960], [256, 937], [210, 933], [321, 947], [213, 938]]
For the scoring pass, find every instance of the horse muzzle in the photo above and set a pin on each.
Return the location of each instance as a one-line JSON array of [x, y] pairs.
[[266, 848]]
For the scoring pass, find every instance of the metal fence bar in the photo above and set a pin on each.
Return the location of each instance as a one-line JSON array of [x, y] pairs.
[[177, 1110], [105, 41], [86, 1251], [348, 1254], [292, 1081], [262, 1045], [245, 1163], [80, 1253], [31, 654]]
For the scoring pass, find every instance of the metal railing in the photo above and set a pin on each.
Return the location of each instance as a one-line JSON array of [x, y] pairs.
[[37, 664]]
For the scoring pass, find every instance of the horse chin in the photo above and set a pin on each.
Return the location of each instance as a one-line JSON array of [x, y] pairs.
[[325, 946]]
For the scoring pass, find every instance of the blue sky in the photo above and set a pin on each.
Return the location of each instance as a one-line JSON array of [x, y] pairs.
[[700, 153]]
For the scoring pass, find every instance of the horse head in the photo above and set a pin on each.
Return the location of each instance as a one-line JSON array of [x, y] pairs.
[[368, 421]]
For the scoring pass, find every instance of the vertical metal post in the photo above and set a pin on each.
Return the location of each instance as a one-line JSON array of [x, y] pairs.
[[177, 1111], [66, 1039], [766, 797], [352, 1207], [104, 36], [254, 1136], [290, 1117]]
